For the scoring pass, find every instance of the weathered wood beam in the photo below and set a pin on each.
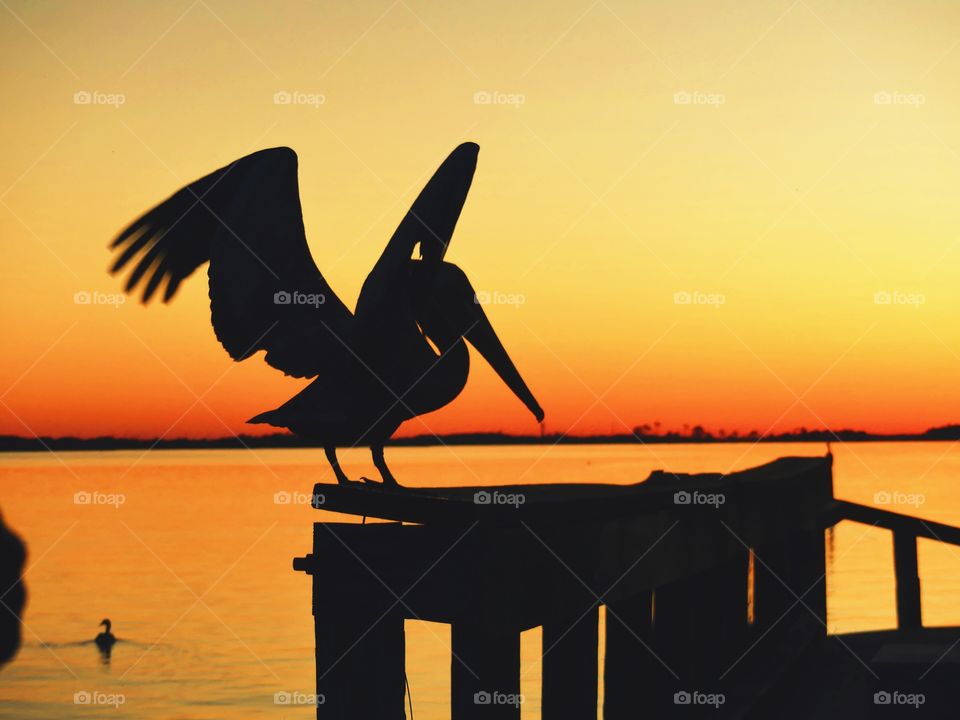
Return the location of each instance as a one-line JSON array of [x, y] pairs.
[[920, 527]]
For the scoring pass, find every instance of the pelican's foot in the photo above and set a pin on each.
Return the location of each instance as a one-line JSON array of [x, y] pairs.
[[390, 484], [344, 480], [362, 482]]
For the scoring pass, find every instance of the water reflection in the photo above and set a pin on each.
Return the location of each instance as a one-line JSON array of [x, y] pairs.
[[211, 518]]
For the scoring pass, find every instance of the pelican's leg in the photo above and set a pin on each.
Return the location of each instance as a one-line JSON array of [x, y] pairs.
[[388, 478], [331, 452]]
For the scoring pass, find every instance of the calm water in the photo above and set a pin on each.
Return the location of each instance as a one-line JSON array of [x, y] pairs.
[[193, 566]]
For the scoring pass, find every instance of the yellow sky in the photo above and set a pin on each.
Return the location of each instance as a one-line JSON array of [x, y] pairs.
[[777, 164]]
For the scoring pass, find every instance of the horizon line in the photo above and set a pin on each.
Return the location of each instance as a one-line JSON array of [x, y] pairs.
[[694, 435]]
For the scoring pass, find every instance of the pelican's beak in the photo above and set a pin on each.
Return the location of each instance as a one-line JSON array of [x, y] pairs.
[[480, 334], [447, 303]]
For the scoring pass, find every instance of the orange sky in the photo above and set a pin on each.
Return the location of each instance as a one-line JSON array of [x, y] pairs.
[[781, 163]]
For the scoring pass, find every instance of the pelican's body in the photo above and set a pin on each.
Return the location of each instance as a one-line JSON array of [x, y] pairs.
[[106, 639], [399, 355]]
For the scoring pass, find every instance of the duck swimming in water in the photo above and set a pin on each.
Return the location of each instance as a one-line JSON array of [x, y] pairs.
[[106, 639]]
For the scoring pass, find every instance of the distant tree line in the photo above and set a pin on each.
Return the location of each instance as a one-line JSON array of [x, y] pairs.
[[644, 434]]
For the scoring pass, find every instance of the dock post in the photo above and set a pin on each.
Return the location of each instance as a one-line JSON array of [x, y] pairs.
[[630, 670], [810, 557], [358, 627], [484, 672], [360, 664], [908, 580], [570, 667], [700, 627], [772, 599], [790, 578]]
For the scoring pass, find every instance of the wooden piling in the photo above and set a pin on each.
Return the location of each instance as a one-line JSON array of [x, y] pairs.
[[360, 665], [569, 666], [908, 580], [772, 577], [631, 673], [484, 672]]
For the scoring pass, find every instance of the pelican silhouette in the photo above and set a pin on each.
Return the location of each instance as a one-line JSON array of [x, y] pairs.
[[399, 355], [106, 639]]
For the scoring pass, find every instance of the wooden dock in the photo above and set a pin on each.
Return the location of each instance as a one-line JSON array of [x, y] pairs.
[[713, 587]]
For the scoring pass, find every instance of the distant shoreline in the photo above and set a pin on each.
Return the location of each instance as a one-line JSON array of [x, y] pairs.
[[13, 443]]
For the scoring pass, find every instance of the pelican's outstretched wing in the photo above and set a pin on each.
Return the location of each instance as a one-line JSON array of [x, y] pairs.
[[433, 216], [430, 221], [266, 292]]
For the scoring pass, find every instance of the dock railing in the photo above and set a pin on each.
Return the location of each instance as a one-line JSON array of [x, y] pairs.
[[906, 529]]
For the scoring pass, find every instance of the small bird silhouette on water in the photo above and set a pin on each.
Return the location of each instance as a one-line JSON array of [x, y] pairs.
[[106, 639], [399, 354]]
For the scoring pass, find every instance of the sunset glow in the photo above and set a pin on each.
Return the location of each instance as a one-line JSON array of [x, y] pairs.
[[746, 228]]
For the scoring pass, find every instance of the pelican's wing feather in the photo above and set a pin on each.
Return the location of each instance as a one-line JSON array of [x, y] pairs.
[[429, 222], [266, 292], [433, 216]]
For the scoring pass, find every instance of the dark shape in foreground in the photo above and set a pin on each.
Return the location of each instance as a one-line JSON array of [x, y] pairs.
[[713, 585], [13, 555], [399, 355]]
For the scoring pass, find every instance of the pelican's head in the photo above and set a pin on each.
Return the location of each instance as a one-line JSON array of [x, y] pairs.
[[106, 623], [448, 309]]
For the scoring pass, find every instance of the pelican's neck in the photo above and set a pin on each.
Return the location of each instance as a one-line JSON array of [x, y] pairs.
[[443, 381]]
